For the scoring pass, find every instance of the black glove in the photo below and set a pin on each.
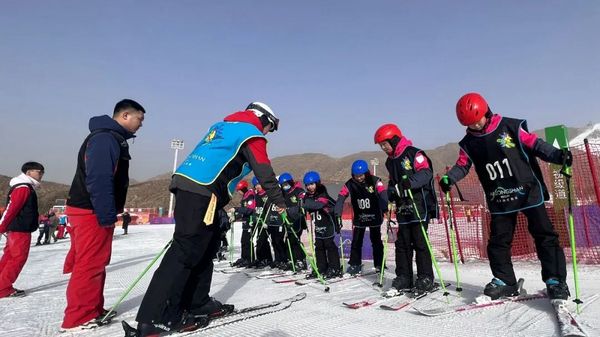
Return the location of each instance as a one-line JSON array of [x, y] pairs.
[[405, 183], [445, 184], [338, 225], [391, 192], [567, 158]]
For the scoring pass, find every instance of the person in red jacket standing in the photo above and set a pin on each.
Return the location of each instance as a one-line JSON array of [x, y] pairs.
[[19, 220], [97, 195]]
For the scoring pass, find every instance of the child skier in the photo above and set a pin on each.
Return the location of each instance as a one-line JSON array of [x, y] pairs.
[[244, 214], [368, 197], [264, 258], [276, 233], [409, 168], [504, 152], [293, 194], [319, 204]]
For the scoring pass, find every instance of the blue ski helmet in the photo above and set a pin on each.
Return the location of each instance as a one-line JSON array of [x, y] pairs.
[[312, 177], [255, 181], [360, 167], [285, 176]]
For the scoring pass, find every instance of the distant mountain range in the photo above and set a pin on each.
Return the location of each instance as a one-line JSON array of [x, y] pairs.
[[153, 192]]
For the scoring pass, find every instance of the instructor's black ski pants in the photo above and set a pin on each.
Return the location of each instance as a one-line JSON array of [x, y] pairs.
[[182, 281]]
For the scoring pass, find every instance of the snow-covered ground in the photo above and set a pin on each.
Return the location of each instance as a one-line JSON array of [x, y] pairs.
[[320, 314]]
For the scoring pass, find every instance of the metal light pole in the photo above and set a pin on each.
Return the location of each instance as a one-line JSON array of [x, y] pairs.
[[374, 162], [176, 144]]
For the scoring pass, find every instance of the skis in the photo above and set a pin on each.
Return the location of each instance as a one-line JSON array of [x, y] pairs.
[[278, 274], [369, 301], [290, 278], [230, 270], [475, 306], [566, 322], [303, 282], [205, 323], [410, 298]]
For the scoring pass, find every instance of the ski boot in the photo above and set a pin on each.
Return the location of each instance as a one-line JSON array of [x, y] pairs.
[[284, 266], [146, 329], [402, 283], [498, 288], [556, 289], [313, 274], [300, 265], [106, 312], [17, 293], [262, 264], [212, 309], [424, 284], [221, 253], [378, 269], [333, 273], [354, 269]]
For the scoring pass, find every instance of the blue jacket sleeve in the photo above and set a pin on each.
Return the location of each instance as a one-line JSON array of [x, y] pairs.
[[102, 155]]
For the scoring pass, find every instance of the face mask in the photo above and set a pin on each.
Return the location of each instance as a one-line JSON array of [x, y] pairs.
[[286, 187]]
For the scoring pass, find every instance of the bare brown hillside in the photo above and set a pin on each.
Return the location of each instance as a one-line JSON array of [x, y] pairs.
[[47, 194]]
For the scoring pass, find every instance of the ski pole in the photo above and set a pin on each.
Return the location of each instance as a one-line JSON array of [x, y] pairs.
[[339, 219], [252, 235], [311, 259], [290, 249], [567, 172], [258, 228], [231, 238], [385, 245], [310, 237], [114, 307], [452, 237], [426, 237]]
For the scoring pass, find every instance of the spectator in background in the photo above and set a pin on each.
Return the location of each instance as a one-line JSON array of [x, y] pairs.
[[126, 221], [53, 225], [97, 195], [62, 224], [44, 228], [18, 221]]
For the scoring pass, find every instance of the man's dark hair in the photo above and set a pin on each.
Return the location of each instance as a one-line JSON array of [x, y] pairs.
[[32, 165], [126, 104]]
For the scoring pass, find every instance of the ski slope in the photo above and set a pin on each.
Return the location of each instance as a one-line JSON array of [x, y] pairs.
[[40, 313]]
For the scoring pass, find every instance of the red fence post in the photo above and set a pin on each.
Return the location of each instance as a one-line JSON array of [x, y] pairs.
[[592, 170], [460, 251], [445, 220]]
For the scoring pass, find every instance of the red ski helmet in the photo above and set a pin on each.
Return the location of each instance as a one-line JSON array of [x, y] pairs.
[[471, 108], [241, 185], [387, 131]]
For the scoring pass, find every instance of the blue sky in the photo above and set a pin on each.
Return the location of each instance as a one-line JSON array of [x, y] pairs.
[[333, 71]]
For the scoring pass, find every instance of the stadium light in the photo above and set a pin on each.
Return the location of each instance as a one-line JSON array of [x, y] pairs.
[[374, 162], [176, 144]]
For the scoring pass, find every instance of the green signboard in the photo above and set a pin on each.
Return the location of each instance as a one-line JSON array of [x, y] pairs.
[[557, 136]]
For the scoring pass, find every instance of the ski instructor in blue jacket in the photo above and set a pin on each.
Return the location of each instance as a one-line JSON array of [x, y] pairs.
[[203, 184]]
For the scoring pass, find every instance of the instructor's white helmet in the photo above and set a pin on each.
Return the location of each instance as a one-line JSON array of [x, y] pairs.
[[263, 110]]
